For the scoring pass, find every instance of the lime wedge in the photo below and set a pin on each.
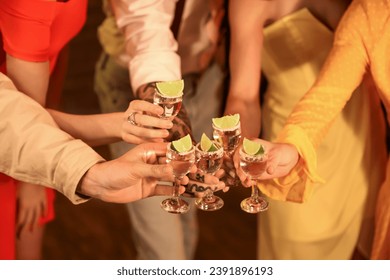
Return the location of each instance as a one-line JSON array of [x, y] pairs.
[[171, 88], [226, 122], [206, 145], [182, 145], [252, 148]]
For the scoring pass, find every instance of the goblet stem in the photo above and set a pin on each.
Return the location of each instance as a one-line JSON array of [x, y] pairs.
[[209, 202], [255, 203], [255, 193], [175, 204], [232, 179], [176, 186], [209, 196]]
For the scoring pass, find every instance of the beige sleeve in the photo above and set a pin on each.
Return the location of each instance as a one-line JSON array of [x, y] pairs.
[[33, 149]]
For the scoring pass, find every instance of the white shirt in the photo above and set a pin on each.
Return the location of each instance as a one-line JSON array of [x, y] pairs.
[[152, 52]]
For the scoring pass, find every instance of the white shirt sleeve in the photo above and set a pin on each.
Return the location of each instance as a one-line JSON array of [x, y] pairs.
[[149, 40]]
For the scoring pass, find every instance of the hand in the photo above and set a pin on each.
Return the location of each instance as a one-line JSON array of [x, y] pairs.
[[199, 183], [181, 123], [281, 159], [32, 204], [131, 177], [142, 123]]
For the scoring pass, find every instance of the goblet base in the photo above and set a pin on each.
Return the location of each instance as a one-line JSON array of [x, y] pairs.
[[175, 206], [253, 205], [209, 204]]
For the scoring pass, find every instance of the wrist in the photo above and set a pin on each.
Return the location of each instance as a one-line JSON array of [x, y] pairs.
[[90, 185], [146, 91]]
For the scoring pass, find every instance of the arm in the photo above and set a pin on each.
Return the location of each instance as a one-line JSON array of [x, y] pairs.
[[33, 148], [103, 129], [152, 48], [26, 36], [307, 125], [40, 153], [246, 19]]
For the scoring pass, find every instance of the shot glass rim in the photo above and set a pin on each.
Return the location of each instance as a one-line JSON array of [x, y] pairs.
[[192, 150], [238, 126], [168, 97], [254, 157]]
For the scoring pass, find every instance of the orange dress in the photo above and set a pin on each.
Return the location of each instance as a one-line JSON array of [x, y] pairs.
[[361, 47], [32, 30]]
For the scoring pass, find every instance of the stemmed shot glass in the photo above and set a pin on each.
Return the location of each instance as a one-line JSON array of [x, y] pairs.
[[181, 156], [227, 131], [169, 95], [209, 158], [253, 163]]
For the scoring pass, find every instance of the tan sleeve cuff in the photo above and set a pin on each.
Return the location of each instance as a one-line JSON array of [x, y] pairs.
[[72, 167]]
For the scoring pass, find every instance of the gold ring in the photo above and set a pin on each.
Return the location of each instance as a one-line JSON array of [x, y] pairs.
[[131, 118]]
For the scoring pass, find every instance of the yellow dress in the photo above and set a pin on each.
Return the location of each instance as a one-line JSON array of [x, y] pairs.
[[327, 225]]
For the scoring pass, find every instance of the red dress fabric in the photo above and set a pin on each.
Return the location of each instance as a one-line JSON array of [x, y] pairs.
[[36, 31]]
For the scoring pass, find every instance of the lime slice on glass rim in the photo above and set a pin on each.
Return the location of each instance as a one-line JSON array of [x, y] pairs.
[[206, 145], [252, 148], [182, 145], [170, 88], [226, 122]]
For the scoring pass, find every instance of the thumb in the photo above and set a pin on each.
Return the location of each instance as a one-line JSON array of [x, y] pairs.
[[272, 163]]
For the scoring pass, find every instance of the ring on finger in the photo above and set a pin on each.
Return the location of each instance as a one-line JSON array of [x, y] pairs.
[[131, 119]]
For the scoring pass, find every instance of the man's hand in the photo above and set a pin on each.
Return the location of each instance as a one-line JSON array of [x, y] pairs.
[[131, 177]]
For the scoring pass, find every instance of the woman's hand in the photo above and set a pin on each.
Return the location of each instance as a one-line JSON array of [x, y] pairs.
[[32, 204], [142, 124], [281, 159]]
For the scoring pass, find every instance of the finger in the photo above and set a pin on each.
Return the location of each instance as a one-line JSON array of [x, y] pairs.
[[27, 222], [146, 106], [158, 171], [193, 169], [146, 152], [136, 134], [220, 173], [166, 190], [151, 121], [272, 163], [145, 131], [221, 186], [21, 221], [184, 181], [35, 218]]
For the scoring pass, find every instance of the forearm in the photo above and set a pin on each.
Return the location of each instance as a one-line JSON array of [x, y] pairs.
[[250, 114], [34, 150], [95, 130], [31, 78], [245, 63]]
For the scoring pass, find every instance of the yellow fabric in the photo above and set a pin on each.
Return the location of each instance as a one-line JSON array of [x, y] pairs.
[[351, 156], [361, 46]]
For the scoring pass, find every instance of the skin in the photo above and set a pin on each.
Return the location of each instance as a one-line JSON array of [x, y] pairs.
[[136, 175], [247, 18]]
